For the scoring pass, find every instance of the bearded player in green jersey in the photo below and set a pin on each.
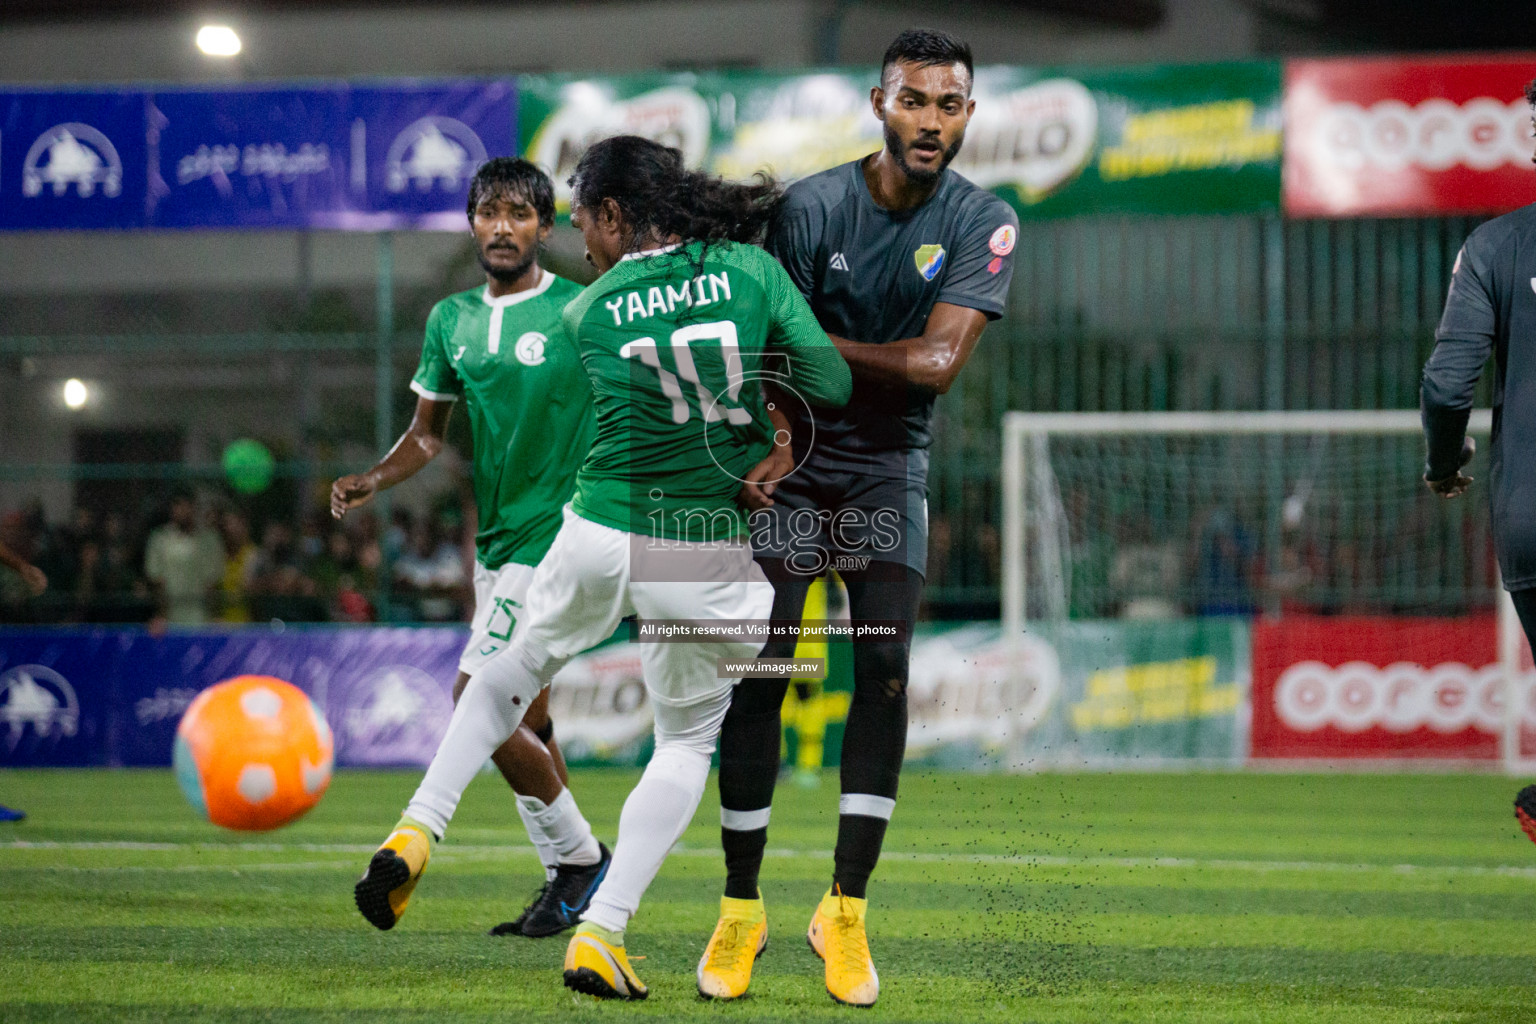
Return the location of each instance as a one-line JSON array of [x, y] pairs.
[[675, 336], [504, 350]]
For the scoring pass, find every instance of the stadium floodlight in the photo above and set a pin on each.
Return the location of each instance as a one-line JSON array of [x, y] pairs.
[[218, 41], [76, 394]]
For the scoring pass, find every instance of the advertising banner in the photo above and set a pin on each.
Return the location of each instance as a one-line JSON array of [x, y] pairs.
[[1356, 687], [71, 160], [1408, 136], [1071, 693], [1201, 138], [395, 155]]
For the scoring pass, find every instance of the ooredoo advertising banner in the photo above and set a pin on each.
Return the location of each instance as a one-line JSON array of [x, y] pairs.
[[1356, 687], [1396, 136]]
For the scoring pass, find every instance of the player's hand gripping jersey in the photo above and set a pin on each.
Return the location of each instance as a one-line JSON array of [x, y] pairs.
[[674, 342], [529, 406]]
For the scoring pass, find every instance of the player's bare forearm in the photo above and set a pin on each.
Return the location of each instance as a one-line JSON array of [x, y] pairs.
[[930, 361], [419, 445]]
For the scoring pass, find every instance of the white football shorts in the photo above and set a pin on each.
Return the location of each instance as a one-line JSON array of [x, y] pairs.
[[595, 576], [500, 595]]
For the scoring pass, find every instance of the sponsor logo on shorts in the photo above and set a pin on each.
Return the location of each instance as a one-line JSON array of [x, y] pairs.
[[1003, 240], [838, 261], [929, 260], [1399, 698]]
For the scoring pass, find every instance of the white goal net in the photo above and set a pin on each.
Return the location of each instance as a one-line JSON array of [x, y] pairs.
[[1263, 515]]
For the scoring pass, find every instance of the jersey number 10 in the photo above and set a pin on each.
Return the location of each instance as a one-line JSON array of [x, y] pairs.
[[713, 409]]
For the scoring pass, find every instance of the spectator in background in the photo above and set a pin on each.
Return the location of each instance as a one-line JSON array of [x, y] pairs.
[[184, 563], [240, 556], [119, 592], [32, 577], [1146, 573], [430, 573], [18, 592], [1224, 566]]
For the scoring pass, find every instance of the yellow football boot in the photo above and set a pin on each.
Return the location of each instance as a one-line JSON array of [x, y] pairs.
[[740, 937], [837, 936], [385, 888], [595, 964]]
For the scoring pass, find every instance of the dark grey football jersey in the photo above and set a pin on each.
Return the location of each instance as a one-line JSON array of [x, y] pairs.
[[1492, 308], [873, 275]]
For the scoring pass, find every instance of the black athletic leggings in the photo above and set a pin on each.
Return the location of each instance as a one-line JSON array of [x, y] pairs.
[[874, 740]]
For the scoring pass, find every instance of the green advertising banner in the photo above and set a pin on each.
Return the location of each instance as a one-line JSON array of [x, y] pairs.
[[1196, 138], [1080, 693], [1096, 693]]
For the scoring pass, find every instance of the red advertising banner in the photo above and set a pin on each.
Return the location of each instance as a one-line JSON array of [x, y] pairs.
[[1396, 136], [1349, 687]]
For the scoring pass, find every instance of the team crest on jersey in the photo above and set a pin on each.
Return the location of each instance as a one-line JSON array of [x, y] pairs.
[[1002, 240], [929, 260], [530, 348]]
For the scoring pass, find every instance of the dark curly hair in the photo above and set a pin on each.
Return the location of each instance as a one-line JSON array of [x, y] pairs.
[[658, 196], [927, 47], [513, 177]]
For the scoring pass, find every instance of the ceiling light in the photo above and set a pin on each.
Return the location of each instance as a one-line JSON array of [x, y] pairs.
[[218, 41], [75, 393]]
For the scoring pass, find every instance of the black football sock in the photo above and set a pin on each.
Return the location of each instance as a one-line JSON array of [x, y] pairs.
[[876, 735], [749, 766]]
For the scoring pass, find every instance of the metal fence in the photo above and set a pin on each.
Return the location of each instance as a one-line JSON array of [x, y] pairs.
[[1192, 314], [1106, 314]]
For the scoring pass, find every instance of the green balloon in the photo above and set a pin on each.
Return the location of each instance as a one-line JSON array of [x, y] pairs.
[[248, 466]]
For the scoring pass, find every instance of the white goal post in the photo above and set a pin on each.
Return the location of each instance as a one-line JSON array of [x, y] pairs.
[[1029, 484]]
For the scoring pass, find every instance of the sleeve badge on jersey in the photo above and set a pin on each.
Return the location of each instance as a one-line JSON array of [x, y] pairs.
[[996, 265], [1003, 240]]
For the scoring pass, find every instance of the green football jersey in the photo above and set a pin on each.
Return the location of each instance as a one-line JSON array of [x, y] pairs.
[[674, 342], [529, 404]]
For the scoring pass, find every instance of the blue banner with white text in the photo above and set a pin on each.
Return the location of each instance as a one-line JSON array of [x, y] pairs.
[[394, 155]]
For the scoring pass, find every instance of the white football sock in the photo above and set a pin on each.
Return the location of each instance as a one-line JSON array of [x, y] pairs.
[[489, 710], [657, 811], [569, 832], [527, 808]]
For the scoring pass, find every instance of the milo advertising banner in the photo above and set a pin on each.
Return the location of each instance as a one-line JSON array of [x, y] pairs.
[[1071, 693], [1199, 138]]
